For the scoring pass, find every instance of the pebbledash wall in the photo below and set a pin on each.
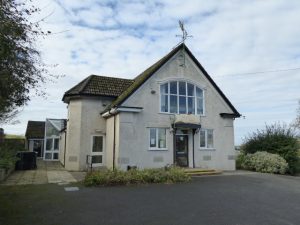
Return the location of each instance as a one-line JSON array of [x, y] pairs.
[[132, 129]]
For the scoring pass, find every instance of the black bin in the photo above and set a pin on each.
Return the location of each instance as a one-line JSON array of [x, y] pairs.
[[27, 161]]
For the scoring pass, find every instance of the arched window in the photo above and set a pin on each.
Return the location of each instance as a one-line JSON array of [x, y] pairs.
[[181, 97]]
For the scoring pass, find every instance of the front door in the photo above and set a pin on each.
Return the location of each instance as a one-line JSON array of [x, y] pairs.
[[181, 150], [38, 147]]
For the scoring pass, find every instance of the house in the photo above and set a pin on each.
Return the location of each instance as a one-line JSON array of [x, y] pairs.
[[43, 137], [172, 113]]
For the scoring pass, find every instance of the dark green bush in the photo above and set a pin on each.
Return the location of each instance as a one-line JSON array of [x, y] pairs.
[[8, 150], [118, 177], [239, 160], [277, 139]]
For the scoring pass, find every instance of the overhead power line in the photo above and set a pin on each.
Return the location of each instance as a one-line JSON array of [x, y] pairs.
[[260, 72]]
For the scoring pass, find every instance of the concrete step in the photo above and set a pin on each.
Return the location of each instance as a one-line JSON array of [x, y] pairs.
[[200, 172]]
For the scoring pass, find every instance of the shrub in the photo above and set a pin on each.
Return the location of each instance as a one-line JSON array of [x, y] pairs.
[[276, 139], [240, 159], [8, 150], [265, 162], [118, 177]]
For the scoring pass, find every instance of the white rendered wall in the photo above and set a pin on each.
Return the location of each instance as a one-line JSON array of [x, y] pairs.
[[134, 134]]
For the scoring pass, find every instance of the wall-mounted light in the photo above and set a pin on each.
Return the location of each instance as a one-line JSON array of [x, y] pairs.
[[153, 92]]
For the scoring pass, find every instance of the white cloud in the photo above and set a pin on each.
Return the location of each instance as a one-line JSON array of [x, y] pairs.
[[123, 38]]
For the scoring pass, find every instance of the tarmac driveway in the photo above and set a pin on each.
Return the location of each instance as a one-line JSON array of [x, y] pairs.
[[243, 199]]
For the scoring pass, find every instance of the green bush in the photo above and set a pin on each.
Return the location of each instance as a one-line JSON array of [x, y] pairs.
[[239, 160], [276, 139], [265, 162], [8, 150], [118, 177]]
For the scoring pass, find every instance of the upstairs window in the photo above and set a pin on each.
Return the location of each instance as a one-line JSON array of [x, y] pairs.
[[181, 97]]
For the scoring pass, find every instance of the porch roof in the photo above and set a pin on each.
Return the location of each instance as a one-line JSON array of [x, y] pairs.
[[35, 129], [186, 125]]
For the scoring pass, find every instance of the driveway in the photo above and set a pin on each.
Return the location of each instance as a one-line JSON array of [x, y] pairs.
[[46, 172], [242, 199]]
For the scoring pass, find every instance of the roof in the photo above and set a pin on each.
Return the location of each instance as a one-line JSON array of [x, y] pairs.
[[35, 129], [144, 76], [122, 89], [95, 85]]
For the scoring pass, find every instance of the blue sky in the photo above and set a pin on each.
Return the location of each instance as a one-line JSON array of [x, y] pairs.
[[122, 38]]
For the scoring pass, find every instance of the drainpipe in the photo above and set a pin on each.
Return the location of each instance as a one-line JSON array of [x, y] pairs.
[[114, 143], [194, 131], [174, 145], [65, 148]]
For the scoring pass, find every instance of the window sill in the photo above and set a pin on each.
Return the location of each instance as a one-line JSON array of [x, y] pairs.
[[167, 113], [207, 149], [157, 149]]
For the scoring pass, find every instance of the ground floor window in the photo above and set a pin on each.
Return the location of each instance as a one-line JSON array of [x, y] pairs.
[[157, 139], [206, 138], [97, 150]]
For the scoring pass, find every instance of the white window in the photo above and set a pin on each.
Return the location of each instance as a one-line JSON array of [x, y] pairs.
[[181, 97], [97, 150], [206, 138], [157, 139]]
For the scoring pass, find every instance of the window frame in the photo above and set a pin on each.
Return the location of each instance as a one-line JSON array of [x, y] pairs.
[[156, 148], [187, 96], [206, 140], [97, 153]]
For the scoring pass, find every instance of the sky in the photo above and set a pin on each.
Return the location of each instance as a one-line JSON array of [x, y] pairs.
[[231, 39]]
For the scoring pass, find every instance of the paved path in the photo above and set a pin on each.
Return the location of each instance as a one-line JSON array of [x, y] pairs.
[[46, 172]]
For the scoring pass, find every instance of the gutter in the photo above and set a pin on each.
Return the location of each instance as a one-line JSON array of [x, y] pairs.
[[116, 110]]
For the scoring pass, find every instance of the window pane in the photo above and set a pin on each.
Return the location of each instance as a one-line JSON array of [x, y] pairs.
[[191, 105], [164, 103], [55, 155], [152, 137], [173, 87], [161, 138], [48, 156], [97, 159], [182, 88], [173, 104], [199, 106], [210, 138], [199, 92], [182, 105], [49, 143], [97, 144], [190, 88], [164, 88], [56, 144], [202, 139]]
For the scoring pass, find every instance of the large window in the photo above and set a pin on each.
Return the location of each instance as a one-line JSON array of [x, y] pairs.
[[181, 98], [206, 138], [157, 139]]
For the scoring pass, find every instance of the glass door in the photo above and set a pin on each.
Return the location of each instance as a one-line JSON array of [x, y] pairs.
[[51, 149], [181, 150], [97, 150]]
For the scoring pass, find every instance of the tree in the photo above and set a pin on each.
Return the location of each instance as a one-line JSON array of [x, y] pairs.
[[277, 139], [21, 67], [296, 123]]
